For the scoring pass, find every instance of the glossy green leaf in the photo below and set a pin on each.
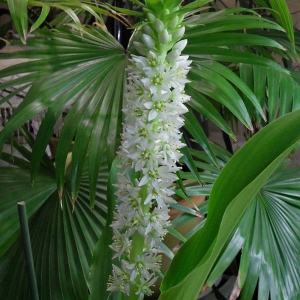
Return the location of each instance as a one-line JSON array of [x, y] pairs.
[[231, 39], [201, 104], [217, 87], [254, 98], [227, 200], [282, 14], [270, 231], [277, 90], [170, 4]]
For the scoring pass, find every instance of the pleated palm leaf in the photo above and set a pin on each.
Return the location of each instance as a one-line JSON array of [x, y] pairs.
[[266, 236], [63, 239]]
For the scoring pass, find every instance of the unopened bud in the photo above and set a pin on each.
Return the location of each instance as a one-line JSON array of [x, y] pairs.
[[173, 23], [164, 37], [180, 45], [140, 48], [172, 56], [151, 18], [148, 30], [159, 25], [148, 41], [177, 34], [165, 12]]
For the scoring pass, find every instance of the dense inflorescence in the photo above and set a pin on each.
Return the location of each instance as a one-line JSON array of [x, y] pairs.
[[149, 151]]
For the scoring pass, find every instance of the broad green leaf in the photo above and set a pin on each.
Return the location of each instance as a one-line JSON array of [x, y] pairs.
[[229, 200]]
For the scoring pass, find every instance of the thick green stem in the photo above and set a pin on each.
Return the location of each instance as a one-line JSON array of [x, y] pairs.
[[137, 244]]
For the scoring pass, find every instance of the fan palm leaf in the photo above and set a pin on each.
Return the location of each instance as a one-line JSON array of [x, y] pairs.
[[88, 76], [268, 237], [63, 240]]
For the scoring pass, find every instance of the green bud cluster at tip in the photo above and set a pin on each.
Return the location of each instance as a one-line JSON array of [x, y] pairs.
[[161, 30]]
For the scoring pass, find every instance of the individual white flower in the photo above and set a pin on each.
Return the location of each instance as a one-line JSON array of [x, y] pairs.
[[120, 279], [143, 264], [161, 192], [144, 286]]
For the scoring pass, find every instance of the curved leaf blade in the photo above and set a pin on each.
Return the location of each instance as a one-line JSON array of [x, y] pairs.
[[258, 165]]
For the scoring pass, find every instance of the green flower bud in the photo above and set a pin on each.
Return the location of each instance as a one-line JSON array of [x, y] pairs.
[[180, 45], [159, 25], [148, 41], [178, 33], [140, 48], [151, 18], [173, 23], [148, 30], [164, 37], [165, 12], [172, 56]]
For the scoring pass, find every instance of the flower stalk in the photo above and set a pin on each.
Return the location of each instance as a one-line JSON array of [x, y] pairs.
[[150, 147]]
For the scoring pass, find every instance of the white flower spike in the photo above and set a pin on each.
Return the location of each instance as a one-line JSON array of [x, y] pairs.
[[150, 141]]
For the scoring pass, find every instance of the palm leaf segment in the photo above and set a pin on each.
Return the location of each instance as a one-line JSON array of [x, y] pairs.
[[81, 70], [268, 235], [251, 77], [62, 241]]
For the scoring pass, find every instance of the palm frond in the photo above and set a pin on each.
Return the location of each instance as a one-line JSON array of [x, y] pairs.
[[63, 240], [86, 77], [275, 89], [268, 236]]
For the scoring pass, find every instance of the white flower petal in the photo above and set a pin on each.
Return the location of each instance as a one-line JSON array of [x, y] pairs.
[[152, 115]]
